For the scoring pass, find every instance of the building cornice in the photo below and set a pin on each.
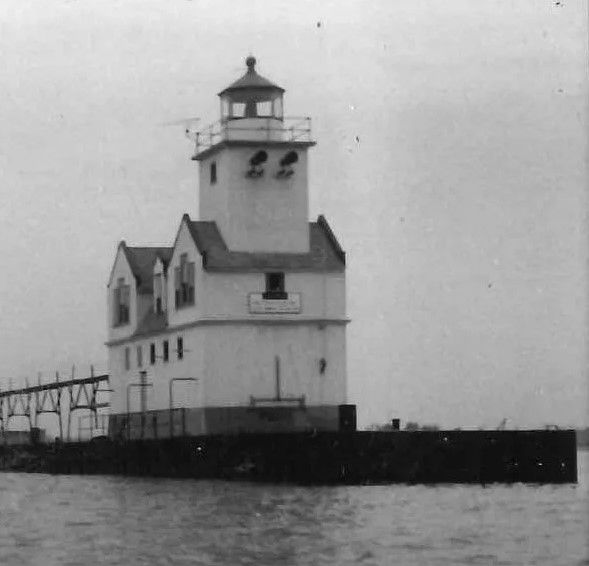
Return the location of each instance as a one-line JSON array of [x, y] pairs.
[[249, 143], [219, 321]]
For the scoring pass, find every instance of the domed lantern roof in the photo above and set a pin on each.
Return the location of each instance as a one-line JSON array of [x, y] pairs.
[[251, 96]]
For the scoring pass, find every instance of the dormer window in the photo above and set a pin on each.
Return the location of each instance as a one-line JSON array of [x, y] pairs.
[[158, 293], [121, 303], [184, 282], [275, 286], [213, 173]]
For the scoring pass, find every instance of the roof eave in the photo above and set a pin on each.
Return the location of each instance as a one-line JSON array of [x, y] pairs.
[[212, 268], [230, 89], [248, 143], [323, 224]]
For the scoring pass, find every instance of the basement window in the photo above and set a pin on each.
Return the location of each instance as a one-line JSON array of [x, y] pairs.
[[275, 286], [213, 172]]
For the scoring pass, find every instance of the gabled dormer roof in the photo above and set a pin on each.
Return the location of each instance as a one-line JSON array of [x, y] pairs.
[[325, 255], [164, 256], [141, 260], [152, 322]]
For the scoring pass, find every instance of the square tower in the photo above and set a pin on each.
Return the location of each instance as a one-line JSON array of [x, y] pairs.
[[253, 169]]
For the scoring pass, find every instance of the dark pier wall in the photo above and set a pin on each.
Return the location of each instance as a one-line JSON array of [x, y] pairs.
[[321, 458]]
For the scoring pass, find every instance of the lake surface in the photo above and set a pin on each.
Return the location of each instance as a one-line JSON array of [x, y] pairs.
[[67, 520]]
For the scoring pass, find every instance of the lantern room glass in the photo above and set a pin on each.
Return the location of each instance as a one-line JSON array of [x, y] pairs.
[[251, 104]]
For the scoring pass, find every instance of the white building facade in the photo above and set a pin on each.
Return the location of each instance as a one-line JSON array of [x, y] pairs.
[[240, 325]]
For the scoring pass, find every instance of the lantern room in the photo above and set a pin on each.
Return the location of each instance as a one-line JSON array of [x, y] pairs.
[[251, 96], [252, 111]]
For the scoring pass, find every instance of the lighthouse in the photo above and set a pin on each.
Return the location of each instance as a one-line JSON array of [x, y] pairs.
[[239, 326]]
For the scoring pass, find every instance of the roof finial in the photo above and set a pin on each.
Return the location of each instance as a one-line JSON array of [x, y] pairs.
[[251, 63]]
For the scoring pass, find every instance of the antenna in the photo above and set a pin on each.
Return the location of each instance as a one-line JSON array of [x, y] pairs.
[[190, 126], [180, 121]]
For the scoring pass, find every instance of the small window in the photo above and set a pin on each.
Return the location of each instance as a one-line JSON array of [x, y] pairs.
[[180, 347], [127, 358], [213, 172], [139, 357], [152, 354], [275, 286], [166, 350]]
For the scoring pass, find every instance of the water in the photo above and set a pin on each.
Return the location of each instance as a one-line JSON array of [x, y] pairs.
[[67, 520]]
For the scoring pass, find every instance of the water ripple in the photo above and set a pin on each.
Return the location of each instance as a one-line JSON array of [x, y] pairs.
[[71, 520]]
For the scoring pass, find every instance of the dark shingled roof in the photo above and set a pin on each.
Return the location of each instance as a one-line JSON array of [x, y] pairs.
[[141, 260], [151, 322], [251, 80], [325, 254]]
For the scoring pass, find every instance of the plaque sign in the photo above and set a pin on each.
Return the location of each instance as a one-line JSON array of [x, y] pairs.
[[259, 305]]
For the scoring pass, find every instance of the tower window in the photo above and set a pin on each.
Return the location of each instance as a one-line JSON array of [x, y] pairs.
[[166, 350], [121, 303], [139, 357], [275, 286], [180, 347], [213, 170], [152, 354], [127, 359]]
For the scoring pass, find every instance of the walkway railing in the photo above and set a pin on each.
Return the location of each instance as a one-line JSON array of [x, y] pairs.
[[33, 400], [293, 128]]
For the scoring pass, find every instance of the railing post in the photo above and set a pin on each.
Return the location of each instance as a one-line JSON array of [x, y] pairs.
[[128, 413], [170, 386]]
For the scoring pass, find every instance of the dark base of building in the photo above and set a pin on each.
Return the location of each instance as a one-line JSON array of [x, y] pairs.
[[277, 417], [320, 458]]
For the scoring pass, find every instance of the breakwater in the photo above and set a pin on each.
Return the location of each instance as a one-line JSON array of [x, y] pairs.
[[361, 457]]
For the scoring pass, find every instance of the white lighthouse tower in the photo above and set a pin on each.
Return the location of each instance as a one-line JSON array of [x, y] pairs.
[[240, 325]]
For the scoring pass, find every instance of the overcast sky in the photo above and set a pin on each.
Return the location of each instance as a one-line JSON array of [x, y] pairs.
[[451, 163]]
